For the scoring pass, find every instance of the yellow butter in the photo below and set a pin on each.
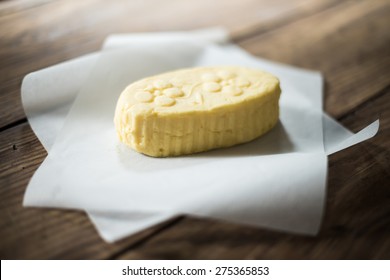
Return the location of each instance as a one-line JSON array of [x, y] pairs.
[[198, 109]]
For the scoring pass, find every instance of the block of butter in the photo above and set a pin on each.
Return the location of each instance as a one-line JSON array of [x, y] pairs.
[[197, 109]]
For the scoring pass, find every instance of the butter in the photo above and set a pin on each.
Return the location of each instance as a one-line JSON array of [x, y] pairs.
[[195, 110]]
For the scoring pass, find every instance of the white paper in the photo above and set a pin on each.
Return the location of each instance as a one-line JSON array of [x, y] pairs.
[[269, 210]]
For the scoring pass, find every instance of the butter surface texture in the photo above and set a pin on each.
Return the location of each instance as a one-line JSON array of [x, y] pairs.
[[198, 109]]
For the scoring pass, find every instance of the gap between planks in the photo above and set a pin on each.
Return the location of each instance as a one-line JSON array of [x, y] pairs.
[[13, 7], [371, 99], [261, 29]]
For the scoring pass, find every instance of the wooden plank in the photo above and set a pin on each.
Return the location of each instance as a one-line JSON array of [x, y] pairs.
[[61, 30], [348, 43], [32, 233], [357, 215]]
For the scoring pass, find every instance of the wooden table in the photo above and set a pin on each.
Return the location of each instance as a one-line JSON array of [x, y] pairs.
[[348, 41]]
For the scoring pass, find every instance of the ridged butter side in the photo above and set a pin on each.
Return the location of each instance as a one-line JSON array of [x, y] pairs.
[[198, 109]]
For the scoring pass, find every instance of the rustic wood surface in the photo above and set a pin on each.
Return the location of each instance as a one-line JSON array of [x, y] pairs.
[[346, 40]]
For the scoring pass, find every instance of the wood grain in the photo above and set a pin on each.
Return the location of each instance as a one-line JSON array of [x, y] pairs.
[[346, 40], [348, 43], [56, 31]]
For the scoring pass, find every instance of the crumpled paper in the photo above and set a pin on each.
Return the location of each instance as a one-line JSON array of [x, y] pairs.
[[277, 181]]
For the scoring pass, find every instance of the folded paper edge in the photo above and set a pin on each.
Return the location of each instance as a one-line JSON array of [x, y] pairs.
[[366, 133]]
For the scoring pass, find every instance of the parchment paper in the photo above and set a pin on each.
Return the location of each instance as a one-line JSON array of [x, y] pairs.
[[277, 181]]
